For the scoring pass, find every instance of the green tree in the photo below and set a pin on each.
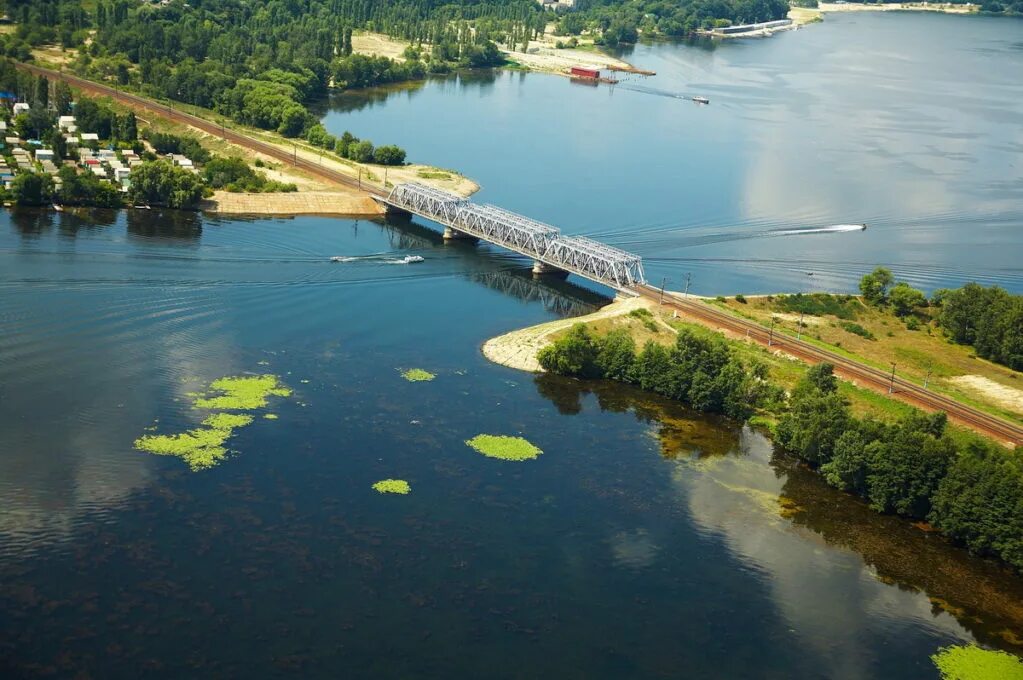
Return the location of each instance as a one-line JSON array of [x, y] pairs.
[[816, 417], [980, 502], [62, 98], [162, 183], [616, 354], [42, 94], [389, 155], [905, 299], [30, 188], [874, 286], [574, 354], [361, 152]]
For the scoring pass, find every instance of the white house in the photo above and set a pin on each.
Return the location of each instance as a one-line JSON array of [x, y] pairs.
[[89, 137], [21, 107], [44, 154], [65, 122], [3, 125]]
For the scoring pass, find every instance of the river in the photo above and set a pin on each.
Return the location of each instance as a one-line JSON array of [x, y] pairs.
[[908, 122], [646, 541]]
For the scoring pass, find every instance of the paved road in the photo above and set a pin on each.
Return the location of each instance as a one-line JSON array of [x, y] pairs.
[[864, 375]]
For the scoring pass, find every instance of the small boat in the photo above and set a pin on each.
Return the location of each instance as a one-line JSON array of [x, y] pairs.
[[58, 208], [700, 100], [410, 259]]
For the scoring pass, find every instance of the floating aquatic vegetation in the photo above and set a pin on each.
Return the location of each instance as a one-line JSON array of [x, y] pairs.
[[418, 375], [392, 486], [270, 416], [505, 448], [204, 447], [970, 662], [242, 393]]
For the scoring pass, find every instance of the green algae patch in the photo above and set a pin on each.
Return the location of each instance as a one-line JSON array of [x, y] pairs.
[[226, 421], [418, 375], [505, 448], [242, 393], [392, 486], [201, 448], [970, 662], [270, 416]]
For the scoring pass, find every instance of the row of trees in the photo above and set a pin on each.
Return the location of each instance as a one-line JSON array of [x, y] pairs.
[[988, 318], [158, 182], [700, 370], [973, 493], [351, 147], [912, 467]]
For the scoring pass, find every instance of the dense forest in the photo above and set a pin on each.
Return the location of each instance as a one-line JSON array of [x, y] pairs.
[[972, 492]]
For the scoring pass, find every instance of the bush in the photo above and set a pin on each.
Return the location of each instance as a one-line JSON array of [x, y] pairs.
[[857, 329], [741, 299]]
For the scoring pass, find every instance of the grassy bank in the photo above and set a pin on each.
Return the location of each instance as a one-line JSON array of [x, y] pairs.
[[876, 336]]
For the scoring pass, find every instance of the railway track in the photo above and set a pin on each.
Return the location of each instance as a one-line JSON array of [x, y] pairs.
[[168, 113], [868, 376], [852, 370]]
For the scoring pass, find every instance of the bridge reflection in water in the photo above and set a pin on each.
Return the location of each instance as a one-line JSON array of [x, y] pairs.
[[550, 251]]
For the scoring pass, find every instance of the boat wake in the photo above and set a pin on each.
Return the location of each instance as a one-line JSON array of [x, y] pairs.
[[383, 259], [834, 229]]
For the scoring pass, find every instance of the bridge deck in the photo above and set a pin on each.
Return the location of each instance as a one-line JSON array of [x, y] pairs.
[[541, 242]]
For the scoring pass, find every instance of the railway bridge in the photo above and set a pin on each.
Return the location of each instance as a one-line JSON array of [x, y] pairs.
[[551, 251]]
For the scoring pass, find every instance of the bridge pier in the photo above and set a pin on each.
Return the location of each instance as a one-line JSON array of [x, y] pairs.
[[544, 269], [453, 234]]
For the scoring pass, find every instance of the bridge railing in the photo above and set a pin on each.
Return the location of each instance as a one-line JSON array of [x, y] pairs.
[[542, 242]]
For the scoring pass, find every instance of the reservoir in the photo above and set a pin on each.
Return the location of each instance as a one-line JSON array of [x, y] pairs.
[[645, 541]]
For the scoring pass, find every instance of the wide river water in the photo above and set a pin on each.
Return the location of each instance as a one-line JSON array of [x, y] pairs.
[[645, 541]]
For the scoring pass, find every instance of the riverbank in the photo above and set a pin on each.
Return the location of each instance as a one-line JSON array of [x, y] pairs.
[[333, 203], [954, 371], [289, 160], [944, 8]]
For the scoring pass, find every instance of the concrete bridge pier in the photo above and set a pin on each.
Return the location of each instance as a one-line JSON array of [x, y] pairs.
[[544, 269], [451, 234]]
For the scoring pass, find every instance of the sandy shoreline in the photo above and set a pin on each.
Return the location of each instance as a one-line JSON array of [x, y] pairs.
[[518, 349], [335, 203], [899, 7]]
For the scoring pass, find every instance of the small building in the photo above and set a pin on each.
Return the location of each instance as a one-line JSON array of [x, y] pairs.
[[89, 137], [44, 155], [121, 174], [65, 122], [12, 141], [21, 107], [71, 140], [3, 126], [99, 171]]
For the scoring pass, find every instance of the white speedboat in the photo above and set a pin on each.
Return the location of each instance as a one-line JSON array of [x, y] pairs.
[[410, 259], [701, 100]]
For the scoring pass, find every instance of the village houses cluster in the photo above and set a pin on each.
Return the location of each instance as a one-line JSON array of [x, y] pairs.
[[32, 155]]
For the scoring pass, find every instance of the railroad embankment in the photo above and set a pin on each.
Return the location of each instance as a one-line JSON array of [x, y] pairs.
[[336, 203], [842, 325]]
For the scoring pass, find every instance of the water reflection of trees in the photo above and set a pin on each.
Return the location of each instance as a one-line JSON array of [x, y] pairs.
[[32, 221], [985, 597], [179, 225], [682, 433]]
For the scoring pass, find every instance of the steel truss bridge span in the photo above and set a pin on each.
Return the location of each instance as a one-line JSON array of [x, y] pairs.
[[543, 243]]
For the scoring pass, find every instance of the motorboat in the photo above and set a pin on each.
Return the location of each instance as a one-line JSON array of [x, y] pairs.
[[411, 259], [700, 100]]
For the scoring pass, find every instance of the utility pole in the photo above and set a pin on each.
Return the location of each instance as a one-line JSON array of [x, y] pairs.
[[927, 378], [294, 158], [770, 338], [360, 178], [799, 329], [891, 385], [385, 177], [688, 277], [664, 279]]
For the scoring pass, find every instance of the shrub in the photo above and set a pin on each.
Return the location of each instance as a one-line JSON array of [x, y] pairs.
[[857, 329], [741, 299]]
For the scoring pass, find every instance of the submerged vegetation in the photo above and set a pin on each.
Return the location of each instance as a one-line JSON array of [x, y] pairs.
[[970, 662], [418, 375], [399, 486], [504, 447], [204, 447], [906, 465]]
